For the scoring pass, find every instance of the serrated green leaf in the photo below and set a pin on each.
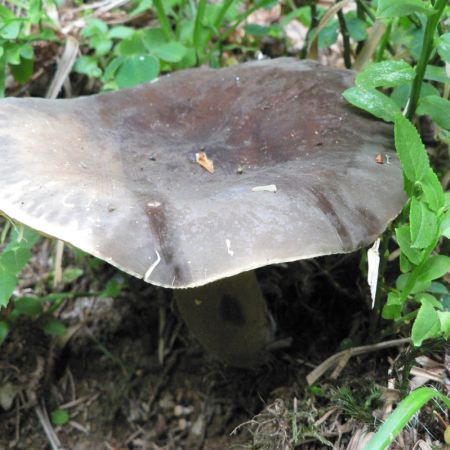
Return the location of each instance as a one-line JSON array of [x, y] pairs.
[[14, 260], [436, 267], [432, 191], [372, 101], [405, 264], [437, 108], [137, 70], [8, 282], [427, 323], [423, 224], [398, 8], [410, 149], [403, 235], [385, 74]]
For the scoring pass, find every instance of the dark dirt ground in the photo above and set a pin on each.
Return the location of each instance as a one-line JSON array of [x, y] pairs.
[[107, 371]]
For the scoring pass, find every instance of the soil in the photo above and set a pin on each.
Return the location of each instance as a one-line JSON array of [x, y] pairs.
[[131, 377]]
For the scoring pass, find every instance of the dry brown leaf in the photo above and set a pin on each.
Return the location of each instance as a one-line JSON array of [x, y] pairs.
[[204, 161]]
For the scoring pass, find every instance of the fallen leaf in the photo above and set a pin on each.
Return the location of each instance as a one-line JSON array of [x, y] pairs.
[[379, 158], [268, 188]]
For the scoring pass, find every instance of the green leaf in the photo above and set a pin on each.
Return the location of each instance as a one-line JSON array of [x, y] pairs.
[[134, 45], [437, 288], [427, 323], [94, 26], [444, 318], [101, 43], [53, 326], [372, 101], [444, 47], [23, 71], [112, 67], [153, 38], [29, 306], [437, 108], [385, 74], [120, 32], [432, 190], [15, 259], [431, 299], [72, 274], [423, 224], [403, 235], [4, 330], [404, 411], [398, 8], [256, 30], [436, 267], [437, 73], [11, 29], [136, 70], [410, 149], [8, 282], [171, 52], [87, 65], [393, 307], [356, 27], [60, 417], [419, 286], [445, 225]]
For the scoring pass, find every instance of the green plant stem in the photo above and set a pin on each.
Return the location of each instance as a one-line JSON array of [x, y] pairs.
[[221, 15], [198, 25], [314, 24], [345, 38], [164, 20], [430, 30]]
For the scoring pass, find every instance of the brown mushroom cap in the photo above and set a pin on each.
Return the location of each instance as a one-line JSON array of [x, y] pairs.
[[115, 174]]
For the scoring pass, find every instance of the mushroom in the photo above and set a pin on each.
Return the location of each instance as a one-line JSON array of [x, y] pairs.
[[295, 175]]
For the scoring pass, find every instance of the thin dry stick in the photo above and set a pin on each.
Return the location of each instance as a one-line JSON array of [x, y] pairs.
[[313, 45], [313, 376], [65, 65], [371, 44]]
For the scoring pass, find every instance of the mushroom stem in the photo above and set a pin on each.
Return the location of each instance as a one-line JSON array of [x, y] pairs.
[[229, 317]]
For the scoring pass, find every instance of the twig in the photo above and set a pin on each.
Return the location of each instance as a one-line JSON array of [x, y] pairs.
[[313, 376]]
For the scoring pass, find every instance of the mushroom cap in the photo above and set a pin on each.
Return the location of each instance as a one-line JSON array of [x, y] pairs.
[[116, 175]]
